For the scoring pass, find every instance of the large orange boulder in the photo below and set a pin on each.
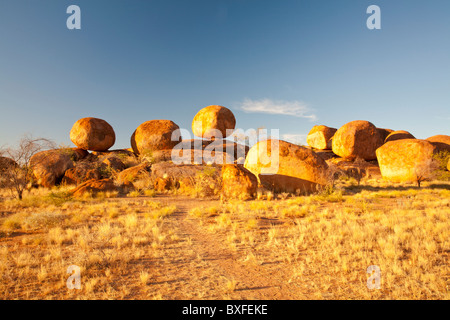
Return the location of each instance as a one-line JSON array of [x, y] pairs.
[[49, 166], [320, 137], [406, 160], [92, 134], [357, 139], [448, 165], [155, 135], [441, 142], [213, 122], [398, 135], [285, 167], [238, 182]]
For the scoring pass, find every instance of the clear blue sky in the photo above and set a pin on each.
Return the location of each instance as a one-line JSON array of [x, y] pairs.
[[313, 61]]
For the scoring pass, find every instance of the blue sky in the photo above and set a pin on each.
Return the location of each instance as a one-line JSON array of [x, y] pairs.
[[313, 61]]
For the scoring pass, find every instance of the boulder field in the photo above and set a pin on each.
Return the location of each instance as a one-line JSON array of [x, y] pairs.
[[159, 154]]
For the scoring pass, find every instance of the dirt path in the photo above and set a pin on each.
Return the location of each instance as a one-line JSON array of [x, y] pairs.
[[252, 280]]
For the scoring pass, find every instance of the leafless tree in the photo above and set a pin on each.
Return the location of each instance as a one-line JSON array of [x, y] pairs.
[[16, 172], [333, 173], [425, 171]]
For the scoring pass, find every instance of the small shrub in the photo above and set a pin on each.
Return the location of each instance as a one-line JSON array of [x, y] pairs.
[[12, 223], [133, 194], [58, 198], [43, 220], [442, 158]]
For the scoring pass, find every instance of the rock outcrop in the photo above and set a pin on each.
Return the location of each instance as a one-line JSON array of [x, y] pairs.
[[49, 166]]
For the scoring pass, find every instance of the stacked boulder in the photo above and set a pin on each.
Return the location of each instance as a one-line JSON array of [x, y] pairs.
[[155, 135], [76, 166], [92, 134], [320, 137], [212, 125], [357, 139]]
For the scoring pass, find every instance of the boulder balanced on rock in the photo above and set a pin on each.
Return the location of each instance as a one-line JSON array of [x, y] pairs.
[[92, 134], [212, 121], [155, 135], [285, 167], [357, 139], [319, 137]]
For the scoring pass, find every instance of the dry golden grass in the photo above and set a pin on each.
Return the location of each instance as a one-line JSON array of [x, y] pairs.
[[278, 247]]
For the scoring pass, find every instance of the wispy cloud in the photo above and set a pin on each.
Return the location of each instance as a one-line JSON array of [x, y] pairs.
[[289, 108], [295, 138]]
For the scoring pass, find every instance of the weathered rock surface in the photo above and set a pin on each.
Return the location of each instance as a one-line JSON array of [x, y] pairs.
[[114, 163], [406, 160], [295, 169], [93, 134], [217, 152], [155, 135], [238, 182], [180, 172], [213, 122], [320, 137], [128, 176], [357, 139], [82, 172], [49, 166]]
